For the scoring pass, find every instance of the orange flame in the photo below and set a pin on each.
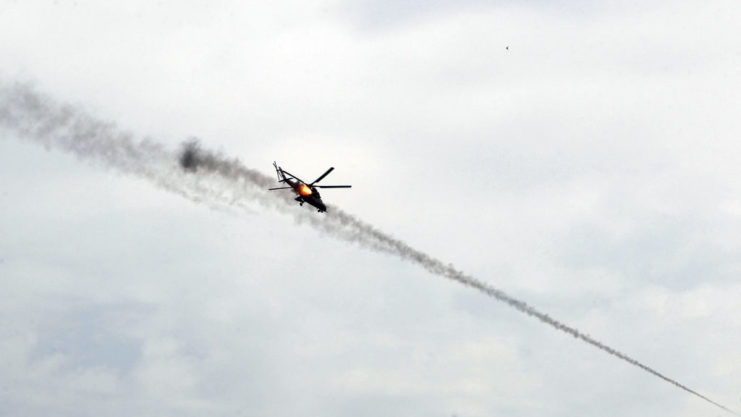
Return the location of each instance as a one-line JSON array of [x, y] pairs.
[[304, 190]]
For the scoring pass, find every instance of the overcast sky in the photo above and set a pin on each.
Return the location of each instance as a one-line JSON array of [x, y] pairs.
[[591, 169]]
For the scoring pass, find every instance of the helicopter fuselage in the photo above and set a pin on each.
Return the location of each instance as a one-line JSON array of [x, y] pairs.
[[307, 194]]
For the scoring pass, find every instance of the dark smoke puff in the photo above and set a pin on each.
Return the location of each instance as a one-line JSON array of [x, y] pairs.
[[190, 157]]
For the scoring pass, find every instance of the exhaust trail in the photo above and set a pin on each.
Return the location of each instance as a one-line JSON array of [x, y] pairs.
[[212, 178]]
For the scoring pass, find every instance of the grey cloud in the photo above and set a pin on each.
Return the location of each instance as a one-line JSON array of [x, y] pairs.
[[30, 114]]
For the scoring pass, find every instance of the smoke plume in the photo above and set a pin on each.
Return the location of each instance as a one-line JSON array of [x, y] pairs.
[[214, 179]]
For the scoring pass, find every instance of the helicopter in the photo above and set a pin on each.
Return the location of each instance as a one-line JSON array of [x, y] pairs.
[[306, 192]]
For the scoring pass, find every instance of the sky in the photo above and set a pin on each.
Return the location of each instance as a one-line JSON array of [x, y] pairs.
[[581, 156]]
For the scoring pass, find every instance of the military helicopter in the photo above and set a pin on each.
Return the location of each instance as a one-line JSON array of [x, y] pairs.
[[307, 192]]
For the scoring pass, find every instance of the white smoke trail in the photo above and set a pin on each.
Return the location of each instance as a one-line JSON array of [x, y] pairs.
[[207, 177]]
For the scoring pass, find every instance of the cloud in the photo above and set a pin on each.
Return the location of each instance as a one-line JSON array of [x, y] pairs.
[[598, 146]]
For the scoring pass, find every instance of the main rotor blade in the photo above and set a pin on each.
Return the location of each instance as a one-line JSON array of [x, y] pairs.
[[322, 176], [333, 186], [295, 177], [279, 188]]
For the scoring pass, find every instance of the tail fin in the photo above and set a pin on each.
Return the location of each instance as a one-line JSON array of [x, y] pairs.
[[277, 171]]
